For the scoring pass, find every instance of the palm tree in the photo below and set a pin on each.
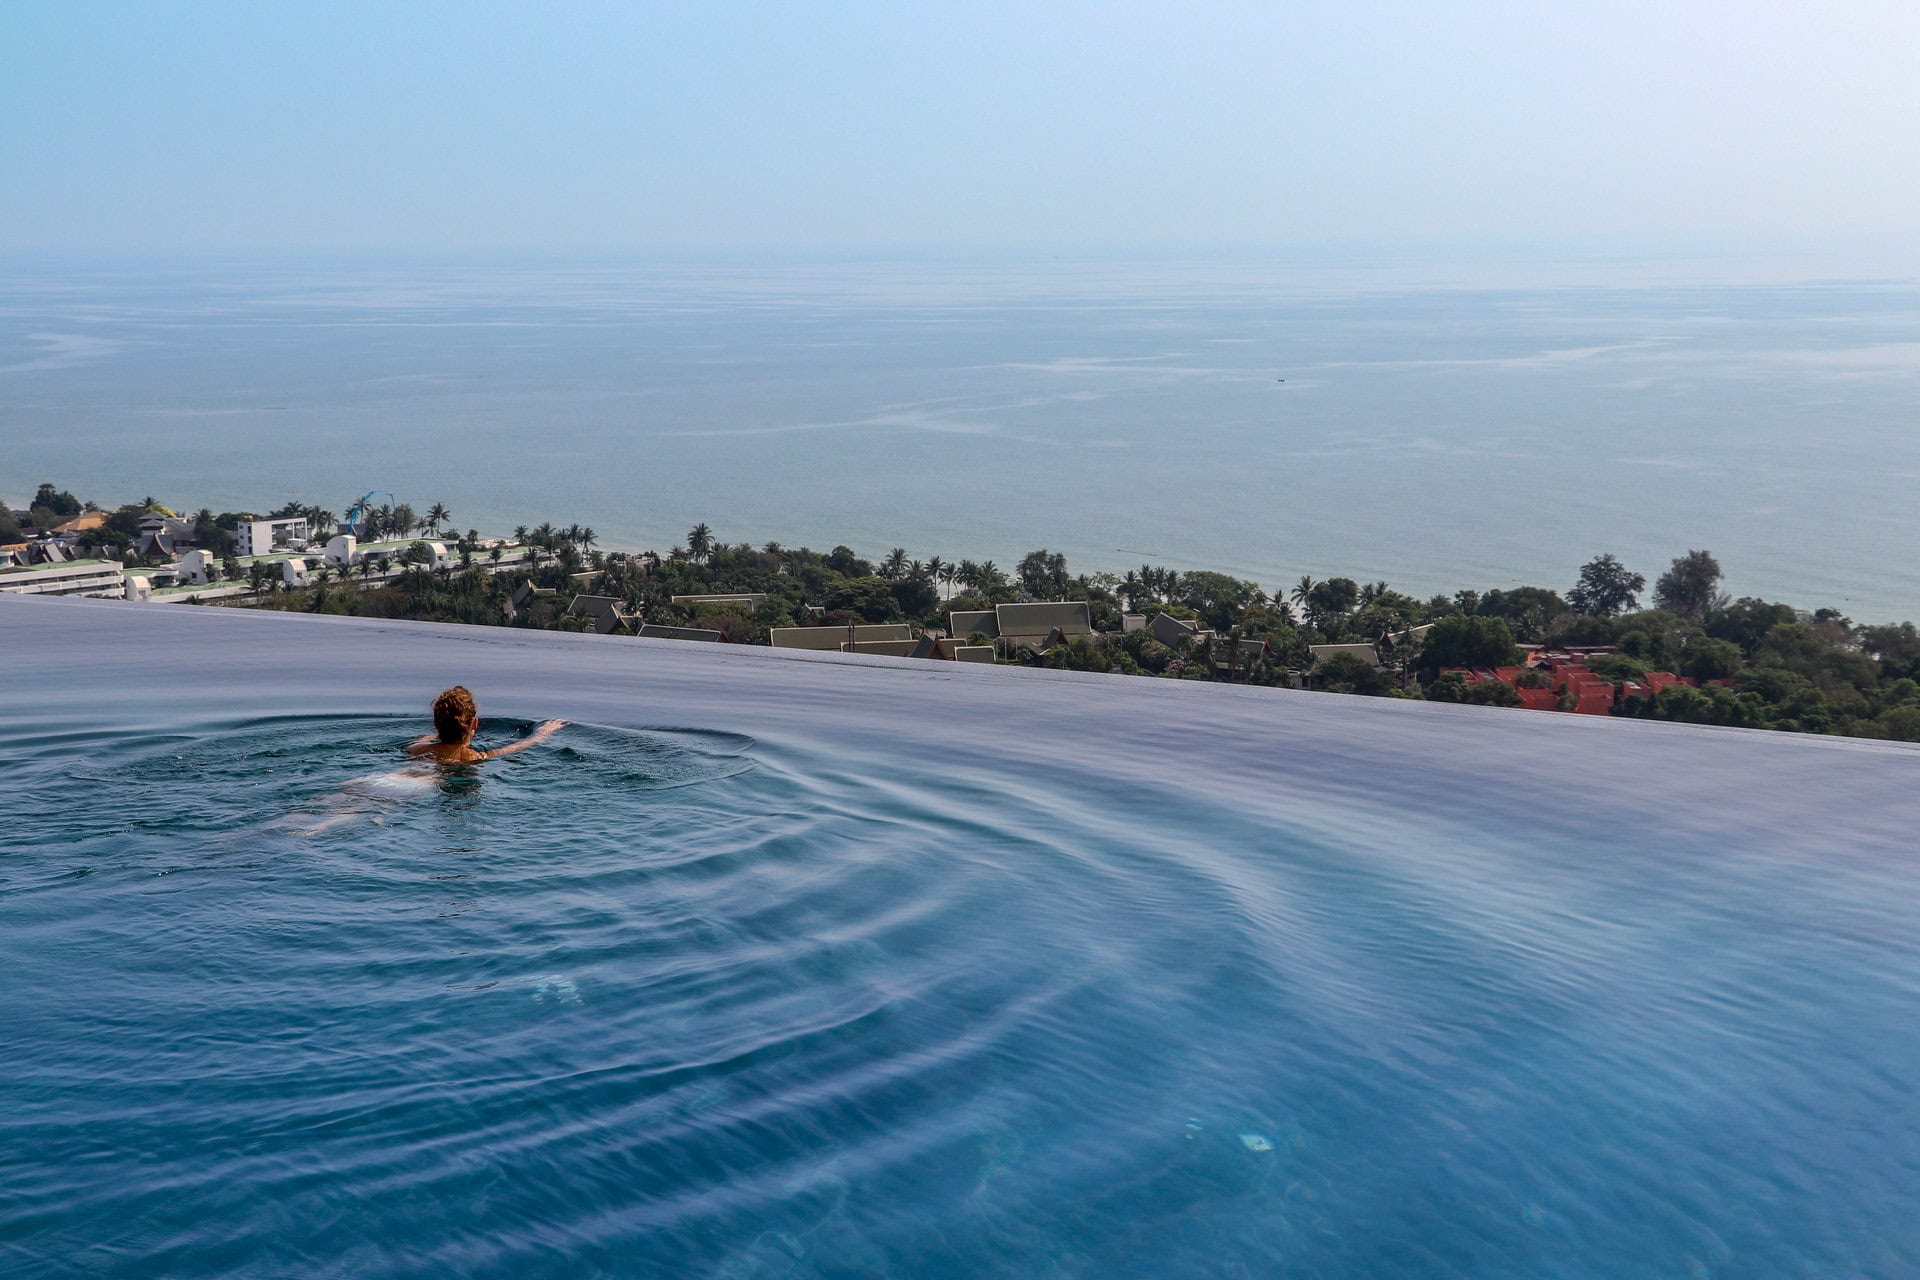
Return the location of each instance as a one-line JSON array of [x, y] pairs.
[[520, 534], [700, 541], [435, 515], [968, 575], [543, 536], [1303, 592], [587, 537], [1130, 589], [1149, 580], [895, 565], [572, 535]]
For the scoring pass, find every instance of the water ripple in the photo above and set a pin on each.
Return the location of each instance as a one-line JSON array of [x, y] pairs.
[[680, 1002]]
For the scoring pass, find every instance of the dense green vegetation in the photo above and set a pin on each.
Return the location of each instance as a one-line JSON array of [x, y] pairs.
[[1779, 667], [1811, 672]]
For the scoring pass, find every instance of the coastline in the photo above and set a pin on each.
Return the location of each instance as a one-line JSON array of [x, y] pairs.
[[1615, 645]]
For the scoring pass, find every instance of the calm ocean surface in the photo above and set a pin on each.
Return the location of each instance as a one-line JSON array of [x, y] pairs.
[[1436, 428], [797, 966]]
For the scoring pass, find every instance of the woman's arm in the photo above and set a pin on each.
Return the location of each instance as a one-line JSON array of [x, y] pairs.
[[534, 739]]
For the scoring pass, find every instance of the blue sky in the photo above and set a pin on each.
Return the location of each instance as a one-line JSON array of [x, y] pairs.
[[394, 125]]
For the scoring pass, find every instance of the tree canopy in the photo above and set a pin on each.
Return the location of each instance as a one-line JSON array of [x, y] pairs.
[[1691, 587], [1606, 587], [1528, 611], [1468, 642], [58, 501]]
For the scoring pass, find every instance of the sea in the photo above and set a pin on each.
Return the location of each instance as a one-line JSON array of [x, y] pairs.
[[1433, 423]]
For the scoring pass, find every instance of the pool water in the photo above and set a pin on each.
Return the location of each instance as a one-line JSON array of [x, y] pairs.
[[818, 967]]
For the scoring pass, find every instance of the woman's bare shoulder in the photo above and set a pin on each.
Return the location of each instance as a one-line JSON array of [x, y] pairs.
[[446, 752]]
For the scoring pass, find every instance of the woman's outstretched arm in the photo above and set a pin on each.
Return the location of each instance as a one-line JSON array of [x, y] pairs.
[[534, 739]]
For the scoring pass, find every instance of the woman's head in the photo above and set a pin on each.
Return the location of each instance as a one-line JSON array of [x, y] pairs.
[[455, 716]]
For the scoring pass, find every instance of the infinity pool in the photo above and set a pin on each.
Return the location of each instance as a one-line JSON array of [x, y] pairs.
[[777, 965]]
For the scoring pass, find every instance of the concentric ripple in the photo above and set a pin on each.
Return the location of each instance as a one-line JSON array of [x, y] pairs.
[[674, 1002]]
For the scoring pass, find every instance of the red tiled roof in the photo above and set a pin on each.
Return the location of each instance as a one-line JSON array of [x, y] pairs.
[[1594, 700]]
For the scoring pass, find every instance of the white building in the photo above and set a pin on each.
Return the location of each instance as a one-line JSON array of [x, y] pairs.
[[199, 566], [71, 578], [259, 537]]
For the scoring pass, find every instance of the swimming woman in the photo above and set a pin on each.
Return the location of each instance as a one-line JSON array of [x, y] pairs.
[[456, 719]]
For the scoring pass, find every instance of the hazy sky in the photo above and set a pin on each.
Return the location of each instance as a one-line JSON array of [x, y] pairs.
[[389, 124]]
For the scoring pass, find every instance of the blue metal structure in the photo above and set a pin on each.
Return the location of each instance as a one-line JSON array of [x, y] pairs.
[[352, 520]]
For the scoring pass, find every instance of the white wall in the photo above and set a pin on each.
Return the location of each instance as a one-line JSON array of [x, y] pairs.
[[193, 566]]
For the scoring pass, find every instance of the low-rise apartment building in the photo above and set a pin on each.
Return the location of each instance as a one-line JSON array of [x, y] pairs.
[[258, 537], [68, 578]]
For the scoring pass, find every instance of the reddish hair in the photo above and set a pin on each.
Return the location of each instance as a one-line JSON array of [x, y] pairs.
[[452, 711]]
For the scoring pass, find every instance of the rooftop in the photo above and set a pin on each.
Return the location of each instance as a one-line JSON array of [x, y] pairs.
[[62, 566]]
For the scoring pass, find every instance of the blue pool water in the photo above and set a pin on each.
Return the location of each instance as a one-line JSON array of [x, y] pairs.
[[804, 966]]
